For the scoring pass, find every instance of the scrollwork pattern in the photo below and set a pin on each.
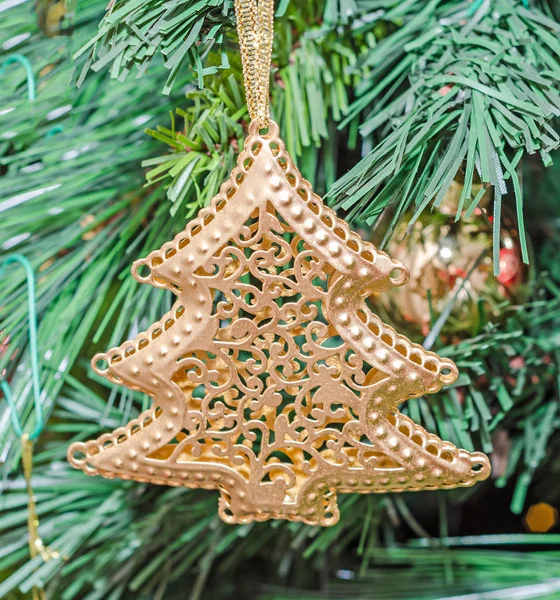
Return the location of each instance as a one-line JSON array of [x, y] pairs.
[[272, 380]]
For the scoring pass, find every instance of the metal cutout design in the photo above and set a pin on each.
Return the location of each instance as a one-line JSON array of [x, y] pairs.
[[272, 381]]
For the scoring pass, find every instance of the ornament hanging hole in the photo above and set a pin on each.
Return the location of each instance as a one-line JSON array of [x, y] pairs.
[[270, 130], [100, 364], [142, 271], [398, 276], [447, 375], [78, 456]]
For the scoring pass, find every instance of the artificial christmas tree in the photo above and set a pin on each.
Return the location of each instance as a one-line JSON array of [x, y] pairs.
[[381, 103]]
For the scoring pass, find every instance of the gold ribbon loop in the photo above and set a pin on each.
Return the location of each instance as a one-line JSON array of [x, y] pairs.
[[255, 27]]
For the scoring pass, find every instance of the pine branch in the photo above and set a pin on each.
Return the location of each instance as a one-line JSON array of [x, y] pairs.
[[434, 572], [310, 93], [120, 540], [453, 91], [133, 33], [70, 203], [203, 151]]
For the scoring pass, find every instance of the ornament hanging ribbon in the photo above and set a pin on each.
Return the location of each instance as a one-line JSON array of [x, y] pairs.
[[36, 545], [255, 27]]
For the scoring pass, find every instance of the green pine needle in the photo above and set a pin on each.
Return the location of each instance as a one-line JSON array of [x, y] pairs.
[[476, 88]]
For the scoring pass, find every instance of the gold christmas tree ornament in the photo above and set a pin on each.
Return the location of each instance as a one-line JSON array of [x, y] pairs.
[[271, 380]]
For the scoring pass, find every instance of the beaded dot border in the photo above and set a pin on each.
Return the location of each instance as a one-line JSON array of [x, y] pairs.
[[335, 422]]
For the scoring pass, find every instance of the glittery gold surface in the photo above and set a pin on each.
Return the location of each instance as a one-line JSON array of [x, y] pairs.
[[255, 28], [36, 545], [272, 381], [452, 260]]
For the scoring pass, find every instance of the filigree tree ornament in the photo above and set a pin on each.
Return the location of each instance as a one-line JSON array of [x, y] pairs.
[[272, 381]]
